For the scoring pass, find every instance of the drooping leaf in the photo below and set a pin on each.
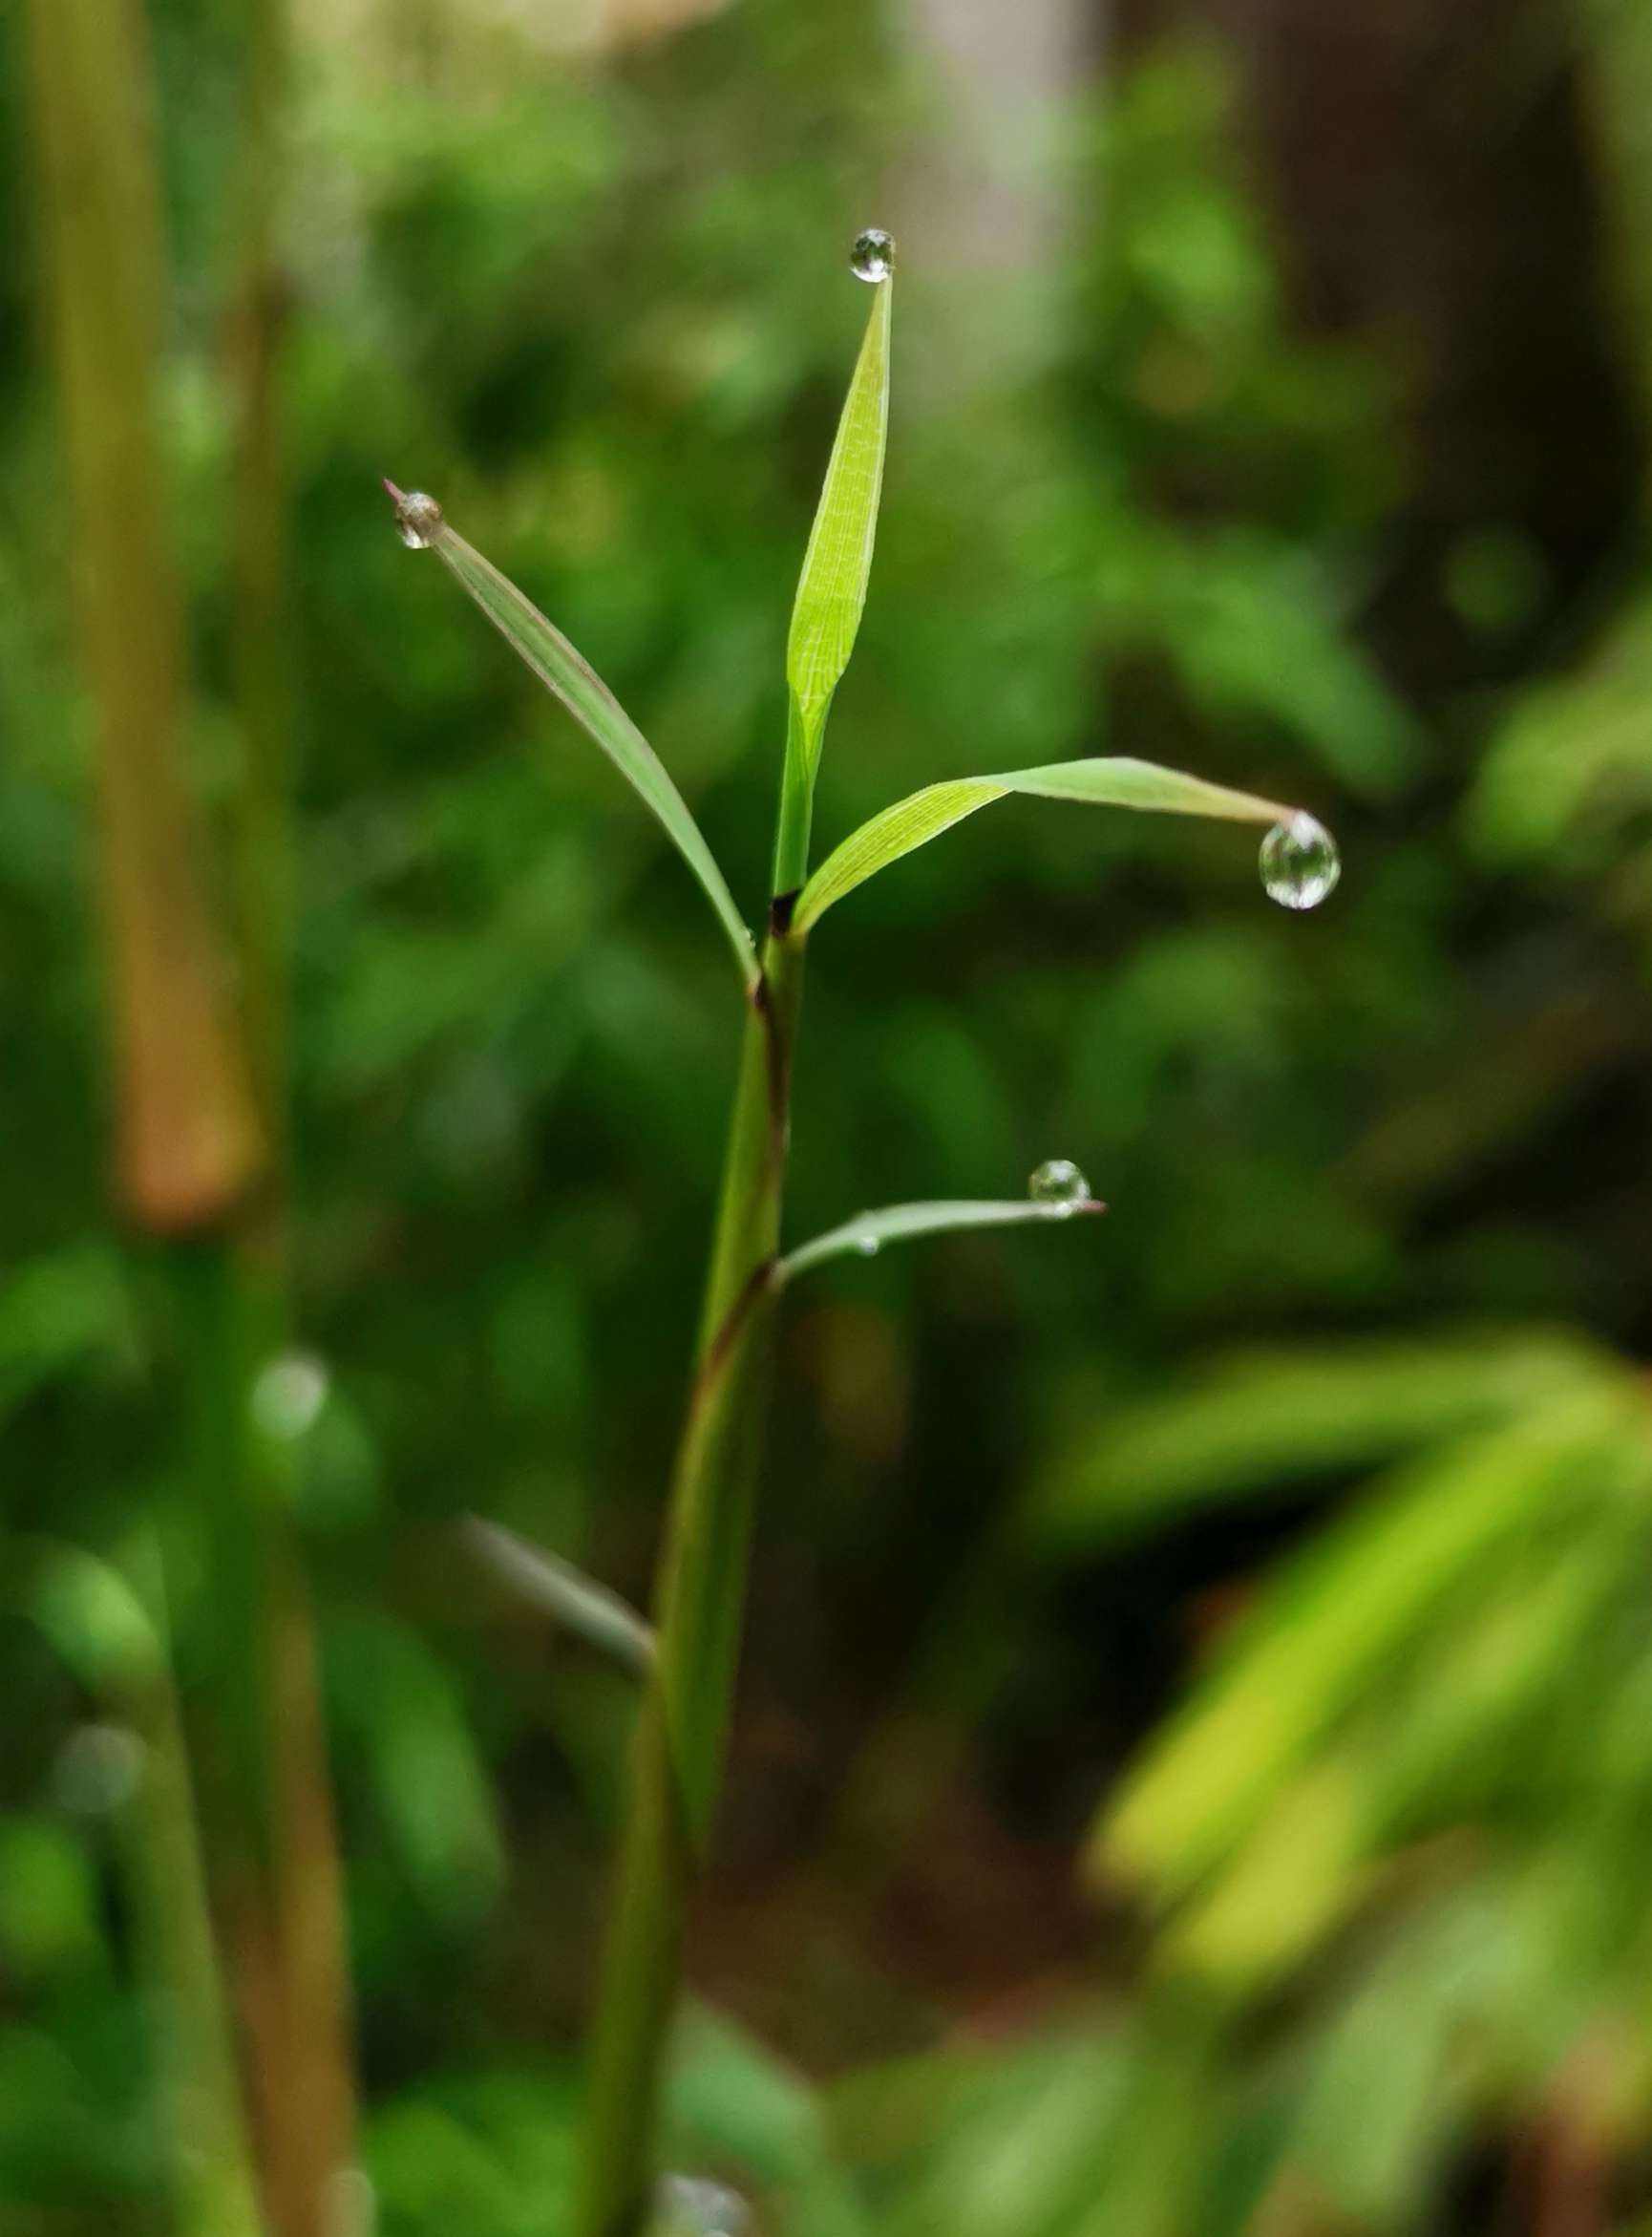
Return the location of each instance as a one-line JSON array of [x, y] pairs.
[[832, 588], [1106, 783], [571, 679], [565, 1593], [902, 1223]]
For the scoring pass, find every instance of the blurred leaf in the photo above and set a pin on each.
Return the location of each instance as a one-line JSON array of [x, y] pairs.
[[94, 1620], [60, 1311], [734, 2110], [1263, 1422], [1354, 1601], [421, 1764]]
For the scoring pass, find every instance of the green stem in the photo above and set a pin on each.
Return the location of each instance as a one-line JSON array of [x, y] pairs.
[[212, 2162], [797, 807], [677, 1758]]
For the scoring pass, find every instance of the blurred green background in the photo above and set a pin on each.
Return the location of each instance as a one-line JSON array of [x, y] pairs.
[[1194, 1766]]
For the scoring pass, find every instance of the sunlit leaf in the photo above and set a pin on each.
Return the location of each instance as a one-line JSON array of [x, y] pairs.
[[1336, 1617], [1106, 783]]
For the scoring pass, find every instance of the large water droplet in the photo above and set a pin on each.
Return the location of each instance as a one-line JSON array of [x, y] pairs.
[[418, 518], [690, 2206], [872, 258], [1299, 862], [1059, 1184], [288, 1396]]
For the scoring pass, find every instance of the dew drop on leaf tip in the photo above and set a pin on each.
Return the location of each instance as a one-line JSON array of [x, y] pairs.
[[1059, 1186], [418, 518], [872, 258], [1299, 862]]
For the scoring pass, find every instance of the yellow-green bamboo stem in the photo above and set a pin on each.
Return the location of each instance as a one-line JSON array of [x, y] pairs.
[[186, 1136]]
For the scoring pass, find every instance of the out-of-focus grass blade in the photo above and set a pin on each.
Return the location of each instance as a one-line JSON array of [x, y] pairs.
[[1359, 1597], [1260, 1425], [832, 588], [866, 1235], [567, 673], [586, 1609], [1109, 783]]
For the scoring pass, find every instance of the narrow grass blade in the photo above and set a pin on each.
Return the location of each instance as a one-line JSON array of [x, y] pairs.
[[564, 673], [1111, 784], [903, 1223], [832, 588], [565, 1593]]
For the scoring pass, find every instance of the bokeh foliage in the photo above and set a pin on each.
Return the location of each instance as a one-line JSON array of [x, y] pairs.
[[1351, 1356]]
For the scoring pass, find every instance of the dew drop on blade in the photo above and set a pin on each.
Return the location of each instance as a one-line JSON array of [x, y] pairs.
[[418, 520], [1299, 862], [868, 1246], [288, 1396], [872, 258], [1059, 1185], [686, 2205]]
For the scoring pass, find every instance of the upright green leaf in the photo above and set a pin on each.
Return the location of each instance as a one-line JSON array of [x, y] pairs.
[[922, 816], [832, 588], [571, 679]]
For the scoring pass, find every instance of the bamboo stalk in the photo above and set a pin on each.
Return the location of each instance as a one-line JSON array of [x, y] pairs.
[[678, 1751], [187, 1146], [298, 2020], [192, 1117]]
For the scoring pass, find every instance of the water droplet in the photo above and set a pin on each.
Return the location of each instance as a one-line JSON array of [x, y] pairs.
[[1059, 1184], [288, 1396], [418, 518], [691, 2206], [873, 256], [868, 1246], [1299, 862], [98, 1770]]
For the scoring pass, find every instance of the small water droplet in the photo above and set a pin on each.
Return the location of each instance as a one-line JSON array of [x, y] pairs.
[[868, 1246], [873, 256], [1299, 862], [1059, 1184], [418, 519], [690, 2206], [98, 1770], [288, 1396]]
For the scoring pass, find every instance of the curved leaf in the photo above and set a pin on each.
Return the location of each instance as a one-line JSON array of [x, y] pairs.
[[571, 679], [1118, 782], [866, 1235]]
